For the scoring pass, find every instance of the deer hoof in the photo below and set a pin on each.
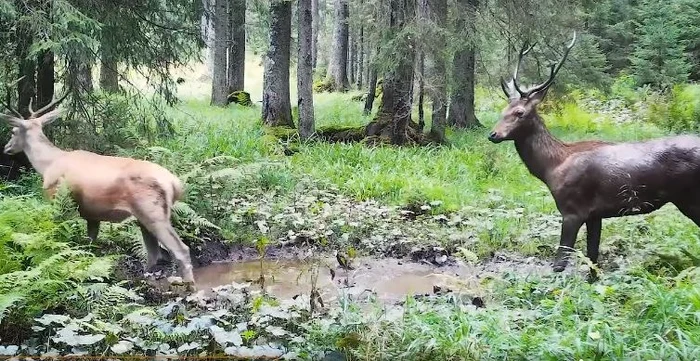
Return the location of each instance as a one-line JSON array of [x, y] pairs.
[[559, 266]]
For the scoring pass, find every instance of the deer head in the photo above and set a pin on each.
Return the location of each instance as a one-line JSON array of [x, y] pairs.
[[521, 112], [24, 129]]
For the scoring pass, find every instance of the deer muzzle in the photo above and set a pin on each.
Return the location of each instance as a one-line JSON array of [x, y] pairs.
[[495, 138]]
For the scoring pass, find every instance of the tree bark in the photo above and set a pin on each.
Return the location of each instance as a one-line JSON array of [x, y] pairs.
[[27, 68], [371, 91], [462, 112], [109, 77], [421, 88], [337, 68], [207, 30], [236, 51], [45, 78], [396, 85], [276, 107], [361, 57], [219, 89], [305, 69], [80, 74], [437, 14], [352, 58], [314, 32]]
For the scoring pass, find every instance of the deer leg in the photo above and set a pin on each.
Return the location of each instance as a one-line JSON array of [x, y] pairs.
[[569, 230], [165, 233], [152, 247], [93, 229], [593, 228]]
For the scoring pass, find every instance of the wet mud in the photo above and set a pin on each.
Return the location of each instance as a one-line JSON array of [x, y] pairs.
[[388, 280]]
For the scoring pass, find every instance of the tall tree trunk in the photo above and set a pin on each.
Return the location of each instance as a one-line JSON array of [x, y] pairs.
[[368, 57], [337, 68], [45, 78], [437, 14], [219, 89], [207, 31], [45, 67], [396, 84], [109, 77], [462, 112], [421, 87], [371, 91], [305, 69], [27, 68], [352, 58], [276, 107], [80, 74], [236, 51], [314, 33], [361, 56]]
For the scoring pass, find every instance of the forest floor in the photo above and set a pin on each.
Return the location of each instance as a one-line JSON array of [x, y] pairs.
[[450, 249]]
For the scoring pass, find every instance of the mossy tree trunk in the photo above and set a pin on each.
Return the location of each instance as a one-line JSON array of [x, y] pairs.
[[437, 15], [236, 52], [462, 112], [395, 112], [305, 69], [276, 106], [219, 90], [337, 68]]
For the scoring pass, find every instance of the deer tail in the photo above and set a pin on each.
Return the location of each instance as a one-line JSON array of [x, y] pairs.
[[177, 190]]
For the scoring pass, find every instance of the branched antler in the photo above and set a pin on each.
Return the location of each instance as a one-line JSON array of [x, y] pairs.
[[47, 107], [512, 86]]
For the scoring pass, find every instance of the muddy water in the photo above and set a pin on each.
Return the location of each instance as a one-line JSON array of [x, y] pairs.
[[386, 279]]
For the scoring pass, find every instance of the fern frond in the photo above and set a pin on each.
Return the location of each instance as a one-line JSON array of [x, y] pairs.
[[8, 301], [185, 214], [103, 296]]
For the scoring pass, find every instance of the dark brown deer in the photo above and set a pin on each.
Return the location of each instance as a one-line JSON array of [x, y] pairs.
[[592, 180]]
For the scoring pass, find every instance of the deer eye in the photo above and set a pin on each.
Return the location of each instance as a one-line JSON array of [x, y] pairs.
[[519, 113]]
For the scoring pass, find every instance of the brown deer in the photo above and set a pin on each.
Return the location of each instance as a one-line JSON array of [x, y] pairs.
[[592, 180], [105, 188]]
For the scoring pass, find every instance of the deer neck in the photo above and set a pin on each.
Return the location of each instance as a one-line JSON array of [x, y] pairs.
[[41, 152], [540, 151]]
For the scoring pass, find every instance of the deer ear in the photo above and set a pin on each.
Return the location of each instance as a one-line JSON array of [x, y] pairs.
[[537, 97], [12, 121], [50, 117]]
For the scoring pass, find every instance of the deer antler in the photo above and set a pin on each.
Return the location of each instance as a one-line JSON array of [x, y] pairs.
[[7, 101], [553, 69], [512, 85], [34, 114], [525, 49]]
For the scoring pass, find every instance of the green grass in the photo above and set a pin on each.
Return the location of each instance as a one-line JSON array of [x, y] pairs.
[[459, 174]]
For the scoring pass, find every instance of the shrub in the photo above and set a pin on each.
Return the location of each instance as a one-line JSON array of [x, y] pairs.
[[679, 111]]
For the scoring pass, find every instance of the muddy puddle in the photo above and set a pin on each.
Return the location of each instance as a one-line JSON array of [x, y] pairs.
[[385, 279]]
